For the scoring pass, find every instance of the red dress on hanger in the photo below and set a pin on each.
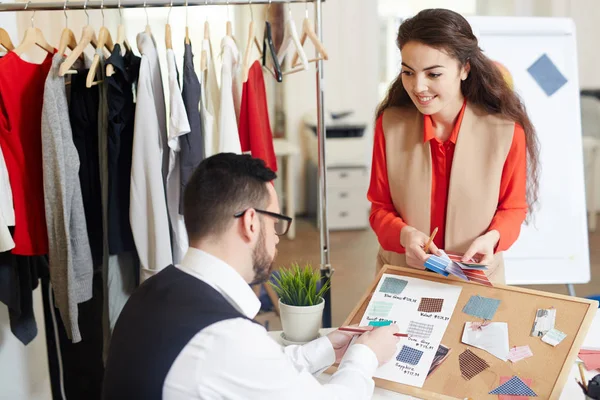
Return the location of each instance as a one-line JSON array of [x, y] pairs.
[[21, 98], [254, 127]]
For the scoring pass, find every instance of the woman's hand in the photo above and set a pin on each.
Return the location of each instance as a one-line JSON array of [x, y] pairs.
[[414, 242], [484, 247]]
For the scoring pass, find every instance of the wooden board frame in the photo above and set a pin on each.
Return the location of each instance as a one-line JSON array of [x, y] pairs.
[[549, 367]]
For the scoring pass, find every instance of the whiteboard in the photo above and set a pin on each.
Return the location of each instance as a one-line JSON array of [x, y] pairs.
[[553, 249]]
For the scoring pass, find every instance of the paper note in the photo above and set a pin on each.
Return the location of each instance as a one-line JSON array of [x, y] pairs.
[[481, 307], [553, 337], [519, 353], [514, 386], [544, 321], [591, 359], [422, 310], [470, 364], [492, 338], [504, 379]]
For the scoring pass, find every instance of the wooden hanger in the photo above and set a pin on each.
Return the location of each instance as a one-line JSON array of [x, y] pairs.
[[290, 38], [187, 30], [147, 30], [88, 36], [204, 54], [168, 37], [33, 37], [308, 31], [121, 41], [5, 40], [104, 41], [67, 37], [250, 44]]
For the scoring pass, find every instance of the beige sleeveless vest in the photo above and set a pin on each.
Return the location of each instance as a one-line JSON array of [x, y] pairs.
[[481, 149]]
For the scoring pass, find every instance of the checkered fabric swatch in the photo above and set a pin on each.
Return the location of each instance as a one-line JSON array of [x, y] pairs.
[[504, 379], [519, 353], [514, 386], [409, 355], [393, 285], [380, 309], [481, 307], [554, 337], [429, 304], [380, 323], [420, 330], [470, 364]]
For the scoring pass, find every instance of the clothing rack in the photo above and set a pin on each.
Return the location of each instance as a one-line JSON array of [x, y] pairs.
[[325, 266]]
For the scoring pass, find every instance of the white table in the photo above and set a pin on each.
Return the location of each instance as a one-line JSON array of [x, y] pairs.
[[571, 391]]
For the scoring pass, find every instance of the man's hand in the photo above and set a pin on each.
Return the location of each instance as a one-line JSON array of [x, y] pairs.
[[340, 341], [414, 242], [483, 246], [382, 341]]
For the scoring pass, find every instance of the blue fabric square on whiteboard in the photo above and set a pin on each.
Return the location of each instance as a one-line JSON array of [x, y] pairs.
[[393, 285], [545, 73], [409, 355], [481, 307]]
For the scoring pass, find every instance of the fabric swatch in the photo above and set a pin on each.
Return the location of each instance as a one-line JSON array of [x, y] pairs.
[[470, 364], [437, 264], [420, 330], [457, 271], [429, 304], [380, 309], [477, 276], [440, 357], [514, 386], [409, 355], [481, 307], [544, 321], [547, 75], [504, 379], [519, 353], [393, 285], [553, 337], [380, 323]]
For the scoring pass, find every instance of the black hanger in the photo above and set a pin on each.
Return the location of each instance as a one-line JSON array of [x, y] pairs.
[[268, 40]]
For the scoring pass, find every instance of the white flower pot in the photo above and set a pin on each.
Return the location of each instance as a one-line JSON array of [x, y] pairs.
[[301, 324]]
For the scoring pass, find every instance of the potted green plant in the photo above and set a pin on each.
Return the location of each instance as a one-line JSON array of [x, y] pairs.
[[301, 303]]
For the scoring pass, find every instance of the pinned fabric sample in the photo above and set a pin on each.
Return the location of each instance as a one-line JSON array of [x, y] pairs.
[[393, 285], [380, 323], [481, 307], [420, 330], [514, 386], [504, 379], [470, 364], [409, 355], [545, 73], [492, 338], [519, 353], [432, 305], [380, 309], [437, 264], [440, 357], [544, 321], [553, 337]]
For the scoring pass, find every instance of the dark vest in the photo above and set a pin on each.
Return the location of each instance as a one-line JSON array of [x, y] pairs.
[[159, 319]]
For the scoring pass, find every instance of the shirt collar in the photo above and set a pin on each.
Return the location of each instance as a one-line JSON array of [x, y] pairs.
[[223, 278], [429, 132]]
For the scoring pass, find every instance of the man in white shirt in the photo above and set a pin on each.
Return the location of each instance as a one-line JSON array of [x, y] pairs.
[[187, 333]]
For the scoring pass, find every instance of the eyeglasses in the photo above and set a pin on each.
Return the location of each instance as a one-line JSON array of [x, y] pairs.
[[282, 223]]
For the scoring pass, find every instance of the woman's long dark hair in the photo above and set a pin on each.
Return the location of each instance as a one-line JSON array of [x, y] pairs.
[[485, 86]]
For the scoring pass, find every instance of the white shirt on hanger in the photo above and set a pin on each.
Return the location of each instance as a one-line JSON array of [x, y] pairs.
[[236, 358], [178, 126], [229, 138], [7, 212], [148, 206], [211, 100]]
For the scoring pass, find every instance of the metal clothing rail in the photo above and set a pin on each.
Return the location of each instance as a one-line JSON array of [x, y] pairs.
[[325, 266]]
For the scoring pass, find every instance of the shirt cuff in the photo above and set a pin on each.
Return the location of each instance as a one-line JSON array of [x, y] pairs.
[[319, 353], [360, 357]]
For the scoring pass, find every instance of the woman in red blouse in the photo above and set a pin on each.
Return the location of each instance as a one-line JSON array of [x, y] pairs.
[[443, 73]]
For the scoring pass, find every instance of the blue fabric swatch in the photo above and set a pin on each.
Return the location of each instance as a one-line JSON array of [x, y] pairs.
[[514, 387], [393, 285], [547, 76], [409, 355], [481, 307], [380, 323]]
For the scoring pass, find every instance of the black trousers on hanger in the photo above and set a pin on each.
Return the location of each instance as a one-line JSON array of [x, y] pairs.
[[82, 363]]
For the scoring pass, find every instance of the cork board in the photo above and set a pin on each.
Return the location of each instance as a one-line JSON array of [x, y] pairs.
[[549, 367]]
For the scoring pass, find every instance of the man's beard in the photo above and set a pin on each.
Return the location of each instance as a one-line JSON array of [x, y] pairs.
[[262, 262]]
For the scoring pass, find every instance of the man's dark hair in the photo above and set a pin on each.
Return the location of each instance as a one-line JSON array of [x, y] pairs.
[[221, 186]]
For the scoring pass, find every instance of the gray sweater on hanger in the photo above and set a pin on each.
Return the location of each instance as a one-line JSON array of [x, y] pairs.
[[70, 257]]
